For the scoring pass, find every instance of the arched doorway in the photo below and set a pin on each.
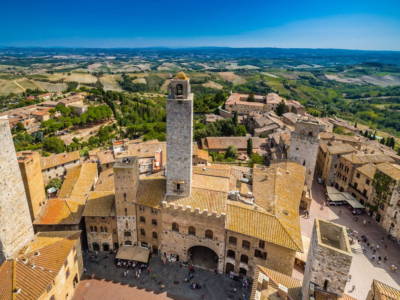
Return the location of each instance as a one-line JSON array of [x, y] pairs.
[[96, 247], [203, 257], [106, 247], [229, 268]]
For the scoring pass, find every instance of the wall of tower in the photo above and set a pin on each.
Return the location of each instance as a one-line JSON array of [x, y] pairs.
[[304, 145], [126, 177], [29, 164], [179, 145], [15, 221], [325, 263]]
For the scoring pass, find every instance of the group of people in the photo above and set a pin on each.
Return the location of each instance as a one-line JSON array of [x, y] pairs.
[[376, 251], [131, 265]]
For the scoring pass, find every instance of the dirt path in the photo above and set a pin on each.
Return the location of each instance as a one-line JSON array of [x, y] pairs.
[[84, 133]]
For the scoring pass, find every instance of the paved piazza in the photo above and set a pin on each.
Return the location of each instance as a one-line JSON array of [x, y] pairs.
[[363, 269], [161, 283]]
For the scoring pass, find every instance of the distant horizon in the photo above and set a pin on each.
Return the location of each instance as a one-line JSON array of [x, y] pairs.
[[192, 47]]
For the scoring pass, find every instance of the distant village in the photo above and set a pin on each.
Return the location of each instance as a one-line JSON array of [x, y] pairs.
[[140, 199]]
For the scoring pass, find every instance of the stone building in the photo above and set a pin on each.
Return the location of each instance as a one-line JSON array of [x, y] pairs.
[[304, 145], [382, 291], [230, 219], [49, 267], [56, 165], [361, 184], [328, 160], [328, 262], [15, 221], [180, 136], [29, 165]]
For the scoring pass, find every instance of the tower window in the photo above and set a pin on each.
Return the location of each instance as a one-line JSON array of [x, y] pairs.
[[326, 282], [179, 90], [124, 196], [175, 227], [126, 211], [178, 187]]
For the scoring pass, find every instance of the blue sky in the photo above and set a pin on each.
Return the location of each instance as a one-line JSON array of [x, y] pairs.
[[350, 24]]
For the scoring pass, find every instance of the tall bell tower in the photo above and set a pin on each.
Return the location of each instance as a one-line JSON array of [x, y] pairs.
[[179, 136]]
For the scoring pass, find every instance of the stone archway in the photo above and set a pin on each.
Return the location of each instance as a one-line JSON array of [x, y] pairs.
[[203, 257], [229, 268], [96, 246]]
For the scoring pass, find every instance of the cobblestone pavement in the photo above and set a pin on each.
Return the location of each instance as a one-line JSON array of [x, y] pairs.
[[162, 282], [363, 269]]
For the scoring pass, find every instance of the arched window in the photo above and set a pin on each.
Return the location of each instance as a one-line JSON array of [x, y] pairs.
[[105, 229], [230, 254], [179, 90], [95, 228], [192, 230], [244, 259], [175, 227], [326, 282], [209, 234]]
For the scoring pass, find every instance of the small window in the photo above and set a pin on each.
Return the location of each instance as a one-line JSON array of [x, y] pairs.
[[142, 232], [260, 254], [358, 175], [126, 211], [261, 244], [245, 244], [367, 181], [124, 196], [141, 208], [178, 187], [232, 240], [244, 259], [142, 219], [175, 227], [127, 233], [326, 282], [231, 254], [192, 230], [155, 235], [179, 90], [154, 222], [209, 234]]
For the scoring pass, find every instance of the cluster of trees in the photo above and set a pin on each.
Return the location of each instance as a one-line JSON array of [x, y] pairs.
[[153, 84], [389, 141], [68, 118], [227, 127], [205, 102]]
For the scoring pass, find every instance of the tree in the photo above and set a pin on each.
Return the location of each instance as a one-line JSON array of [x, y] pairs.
[[256, 159], [55, 182], [251, 98], [235, 118], [281, 108], [382, 141], [249, 146], [19, 127], [53, 144], [231, 152]]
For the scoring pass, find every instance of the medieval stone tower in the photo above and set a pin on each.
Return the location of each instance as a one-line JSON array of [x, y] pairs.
[[126, 180], [328, 262], [31, 171], [15, 221], [179, 136], [304, 144]]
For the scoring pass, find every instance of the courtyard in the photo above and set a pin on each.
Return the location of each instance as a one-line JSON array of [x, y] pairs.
[[365, 265], [104, 280]]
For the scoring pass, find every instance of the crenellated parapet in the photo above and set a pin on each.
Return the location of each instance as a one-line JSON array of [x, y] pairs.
[[192, 212]]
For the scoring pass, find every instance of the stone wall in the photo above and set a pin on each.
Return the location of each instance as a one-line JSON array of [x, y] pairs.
[[149, 214], [277, 258], [391, 219], [58, 171], [109, 237], [179, 243], [304, 145], [15, 221], [325, 266]]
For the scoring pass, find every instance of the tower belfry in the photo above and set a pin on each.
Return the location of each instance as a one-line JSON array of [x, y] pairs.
[[179, 136]]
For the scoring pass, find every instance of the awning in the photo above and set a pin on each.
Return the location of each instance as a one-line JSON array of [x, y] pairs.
[[352, 201], [337, 197], [331, 190], [135, 253]]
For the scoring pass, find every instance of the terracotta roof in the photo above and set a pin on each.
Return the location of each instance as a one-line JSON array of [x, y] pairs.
[[203, 199], [105, 181], [79, 181], [147, 149], [385, 291], [251, 221], [392, 170], [210, 182], [105, 157], [100, 204], [151, 191], [293, 285], [339, 148], [236, 98], [37, 265], [60, 212], [223, 142], [59, 159], [357, 158], [368, 170], [203, 154], [217, 170]]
